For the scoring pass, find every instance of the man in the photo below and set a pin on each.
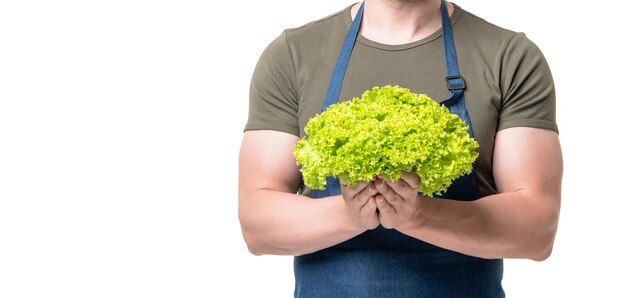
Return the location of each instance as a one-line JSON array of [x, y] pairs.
[[381, 238]]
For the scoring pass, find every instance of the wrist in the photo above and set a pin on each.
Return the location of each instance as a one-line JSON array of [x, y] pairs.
[[347, 220], [423, 202], [419, 217]]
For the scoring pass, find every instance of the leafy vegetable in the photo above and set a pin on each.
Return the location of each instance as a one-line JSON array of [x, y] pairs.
[[388, 131]]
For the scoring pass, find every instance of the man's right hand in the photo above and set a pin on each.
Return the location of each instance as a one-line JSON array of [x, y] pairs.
[[361, 202]]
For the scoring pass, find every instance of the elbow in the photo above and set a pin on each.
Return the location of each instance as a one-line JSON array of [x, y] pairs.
[[535, 240], [543, 232], [254, 249], [545, 242], [533, 248], [543, 253], [252, 242], [259, 245], [250, 233], [262, 239]]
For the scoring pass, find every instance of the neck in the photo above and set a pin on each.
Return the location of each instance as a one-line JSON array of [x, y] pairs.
[[396, 22]]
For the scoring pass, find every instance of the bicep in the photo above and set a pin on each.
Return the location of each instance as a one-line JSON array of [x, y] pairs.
[[266, 162], [529, 160]]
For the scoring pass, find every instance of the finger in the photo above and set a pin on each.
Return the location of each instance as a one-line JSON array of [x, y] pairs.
[[369, 208], [365, 194], [384, 188], [411, 179], [383, 205], [402, 188], [386, 211], [407, 180], [352, 191]]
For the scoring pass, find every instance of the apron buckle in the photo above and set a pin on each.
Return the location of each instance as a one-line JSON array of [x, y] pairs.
[[455, 82]]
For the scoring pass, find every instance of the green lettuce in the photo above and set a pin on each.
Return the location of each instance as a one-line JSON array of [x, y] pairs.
[[387, 131]]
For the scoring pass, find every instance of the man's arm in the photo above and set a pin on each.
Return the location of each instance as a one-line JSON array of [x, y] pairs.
[[275, 220], [519, 222]]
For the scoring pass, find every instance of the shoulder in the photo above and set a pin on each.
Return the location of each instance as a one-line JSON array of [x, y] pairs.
[[310, 45], [315, 38], [508, 47], [320, 28], [471, 25], [501, 49], [298, 41], [472, 29]]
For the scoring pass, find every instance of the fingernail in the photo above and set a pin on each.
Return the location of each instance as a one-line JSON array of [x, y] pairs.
[[380, 183]]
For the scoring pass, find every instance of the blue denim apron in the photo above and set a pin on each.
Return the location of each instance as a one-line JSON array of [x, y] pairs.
[[387, 263]]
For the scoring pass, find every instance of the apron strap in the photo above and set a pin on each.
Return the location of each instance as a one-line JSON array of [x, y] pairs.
[[334, 87], [464, 187], [336, 80], [454, 80]]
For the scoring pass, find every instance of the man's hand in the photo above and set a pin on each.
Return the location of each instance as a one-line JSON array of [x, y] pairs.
[[520, 221], [397, 202], [361, 203]]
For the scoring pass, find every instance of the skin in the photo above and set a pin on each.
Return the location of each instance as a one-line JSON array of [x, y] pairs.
[[275, 220], [400, 22], [518, 222]]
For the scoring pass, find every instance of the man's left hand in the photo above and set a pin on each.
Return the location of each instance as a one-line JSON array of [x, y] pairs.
[[398, 202]]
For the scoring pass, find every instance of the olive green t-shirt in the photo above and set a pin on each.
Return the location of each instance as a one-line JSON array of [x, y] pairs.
[[508, 81]]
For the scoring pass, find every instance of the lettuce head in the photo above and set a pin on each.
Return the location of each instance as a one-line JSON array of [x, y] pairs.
[[385, 132]]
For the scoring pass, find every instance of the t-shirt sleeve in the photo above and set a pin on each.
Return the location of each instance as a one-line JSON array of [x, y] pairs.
[[528, 96], [273, 94]]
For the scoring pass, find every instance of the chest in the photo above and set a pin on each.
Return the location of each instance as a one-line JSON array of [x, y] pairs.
[[422, 70]]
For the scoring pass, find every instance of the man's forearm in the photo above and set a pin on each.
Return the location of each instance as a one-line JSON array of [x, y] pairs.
[[507, 225], [288, 224]]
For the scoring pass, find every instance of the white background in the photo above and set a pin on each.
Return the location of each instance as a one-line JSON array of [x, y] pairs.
[[120, 124]]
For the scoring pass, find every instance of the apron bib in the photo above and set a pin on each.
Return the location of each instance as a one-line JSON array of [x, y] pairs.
[[387, 263]]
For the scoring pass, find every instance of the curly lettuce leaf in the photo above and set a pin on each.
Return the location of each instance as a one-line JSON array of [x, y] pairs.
[[385, 132]]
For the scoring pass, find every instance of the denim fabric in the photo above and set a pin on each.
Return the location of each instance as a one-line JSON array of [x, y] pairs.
[[386, 263], [382, 263], [336, 79]]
